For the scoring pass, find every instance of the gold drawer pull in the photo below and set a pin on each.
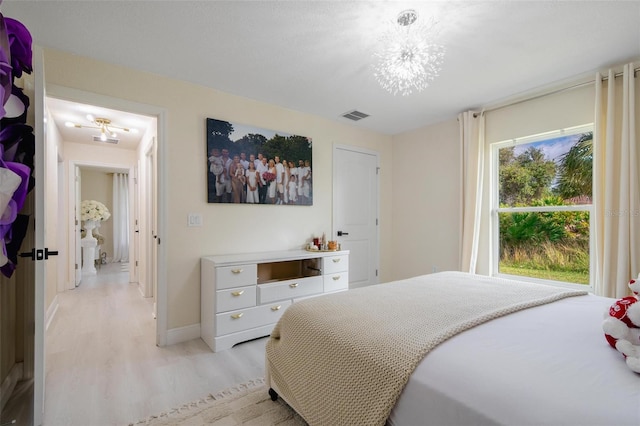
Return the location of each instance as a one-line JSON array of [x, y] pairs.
[[276, 308], [294, 285], [237, 293], [336, 260], [237, 316], [336, 278], [236, 271]]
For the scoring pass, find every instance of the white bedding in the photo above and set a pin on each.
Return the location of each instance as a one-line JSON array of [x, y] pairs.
[[544, 365]]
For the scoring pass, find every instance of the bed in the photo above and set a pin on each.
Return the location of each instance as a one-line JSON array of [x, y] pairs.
[[482, 351]]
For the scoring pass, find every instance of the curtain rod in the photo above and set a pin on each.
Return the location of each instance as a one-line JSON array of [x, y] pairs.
[[564, 89]]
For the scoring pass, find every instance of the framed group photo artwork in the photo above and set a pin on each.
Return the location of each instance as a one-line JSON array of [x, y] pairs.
[[250, 165]]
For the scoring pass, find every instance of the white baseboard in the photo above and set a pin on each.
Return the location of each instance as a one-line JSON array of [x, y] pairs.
[[14, 376], [51, 312], [183, 334]]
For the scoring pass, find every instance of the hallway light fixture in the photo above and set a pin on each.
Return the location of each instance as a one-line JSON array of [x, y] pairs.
[[408, 57], [103, 124]]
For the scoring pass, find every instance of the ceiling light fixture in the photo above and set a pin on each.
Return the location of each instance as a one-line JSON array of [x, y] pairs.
[[103, 124], [408, 58]]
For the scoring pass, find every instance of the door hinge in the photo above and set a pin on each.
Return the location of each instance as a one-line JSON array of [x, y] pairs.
[[376, 272], [76, 266], [136, 263], [376, 221], [377, 170]]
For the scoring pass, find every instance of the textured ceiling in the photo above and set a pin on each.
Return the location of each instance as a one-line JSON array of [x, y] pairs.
[[316, 56]]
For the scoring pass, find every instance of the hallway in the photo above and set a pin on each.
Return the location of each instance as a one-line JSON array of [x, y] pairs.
[[103, 367]]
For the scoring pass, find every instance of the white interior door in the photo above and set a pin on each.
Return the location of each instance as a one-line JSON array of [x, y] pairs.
[[61, 231], [135, 236], [40, 276], [355, 211], [77, 226], [151, 221]]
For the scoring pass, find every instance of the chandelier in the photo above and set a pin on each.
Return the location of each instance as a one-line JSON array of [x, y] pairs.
[[408, 58], [103, 124]]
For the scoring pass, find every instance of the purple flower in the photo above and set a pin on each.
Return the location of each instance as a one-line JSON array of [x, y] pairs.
[[20, 47], [24, 172], [5, 83], [16, 139], [11, 230], [18, 145], [13, 108], [12, 242]]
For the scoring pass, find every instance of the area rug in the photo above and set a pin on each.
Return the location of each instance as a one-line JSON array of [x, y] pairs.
[[246, 404]]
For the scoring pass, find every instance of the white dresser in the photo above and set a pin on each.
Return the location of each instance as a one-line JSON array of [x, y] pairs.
[[244, 295]]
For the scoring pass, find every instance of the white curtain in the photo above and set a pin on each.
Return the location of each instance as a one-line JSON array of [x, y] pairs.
[[120, 217], [616, 189], [472, 164]]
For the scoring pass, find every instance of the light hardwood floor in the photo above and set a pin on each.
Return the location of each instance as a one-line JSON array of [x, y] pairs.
[[103, 367]]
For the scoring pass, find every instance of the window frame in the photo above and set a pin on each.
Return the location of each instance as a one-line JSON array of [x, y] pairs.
[[496, 209]]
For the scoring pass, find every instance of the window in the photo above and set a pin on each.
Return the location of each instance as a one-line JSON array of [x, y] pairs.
[[541, 206]]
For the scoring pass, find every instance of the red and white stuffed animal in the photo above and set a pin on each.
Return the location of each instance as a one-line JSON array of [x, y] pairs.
[[622, 326]]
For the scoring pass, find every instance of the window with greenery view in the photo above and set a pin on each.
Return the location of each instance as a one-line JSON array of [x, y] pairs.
[[542, 205]]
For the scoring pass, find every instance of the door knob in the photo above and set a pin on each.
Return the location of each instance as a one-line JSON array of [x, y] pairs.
[[340, 233], [39, 254]]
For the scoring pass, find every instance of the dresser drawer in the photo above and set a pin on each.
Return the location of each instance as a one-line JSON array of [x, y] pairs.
[[289, 289], [235, 298], [336, 282], [236, 276], [332, 264], [245, 319]]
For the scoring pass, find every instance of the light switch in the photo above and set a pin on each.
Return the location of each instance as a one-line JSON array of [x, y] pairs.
[[194, 219]]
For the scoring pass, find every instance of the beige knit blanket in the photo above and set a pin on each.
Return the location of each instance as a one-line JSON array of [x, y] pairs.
[[343, 359]]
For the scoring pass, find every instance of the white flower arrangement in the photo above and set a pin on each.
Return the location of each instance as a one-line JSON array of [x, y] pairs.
[[94, 210]]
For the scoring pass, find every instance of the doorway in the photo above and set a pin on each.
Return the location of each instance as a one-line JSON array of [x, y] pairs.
[[158, 135], [73, 157], [126, 149], [104, 183], [355, 211], [80, 142]]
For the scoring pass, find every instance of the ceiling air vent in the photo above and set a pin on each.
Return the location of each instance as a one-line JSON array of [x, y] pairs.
[[355, 115], [109, 140]]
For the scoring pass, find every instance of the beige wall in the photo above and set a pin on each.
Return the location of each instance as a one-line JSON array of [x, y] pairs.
[[426, 200], [226, 228], [565, 109]]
